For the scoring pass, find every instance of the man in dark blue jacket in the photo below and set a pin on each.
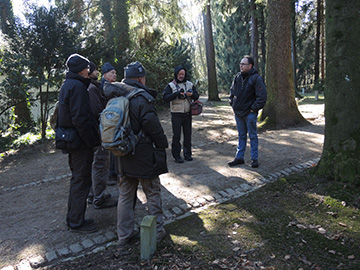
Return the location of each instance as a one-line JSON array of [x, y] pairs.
[[247, 97], [146, 163], [75, 114]]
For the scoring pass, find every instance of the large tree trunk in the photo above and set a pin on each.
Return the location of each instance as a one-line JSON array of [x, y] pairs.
[[280, 110], [213, 94], [254, 35], [341, 153]]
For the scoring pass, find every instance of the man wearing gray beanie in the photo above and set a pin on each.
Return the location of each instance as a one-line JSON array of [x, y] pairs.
[[75, 116]]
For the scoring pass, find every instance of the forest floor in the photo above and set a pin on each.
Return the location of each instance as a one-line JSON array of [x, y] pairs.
[[35, 181]]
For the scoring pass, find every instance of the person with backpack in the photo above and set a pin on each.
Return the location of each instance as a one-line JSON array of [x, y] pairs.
[[146, 162], [100, 166], [109, 75], [247, 96], [77, 135], [180, 93]]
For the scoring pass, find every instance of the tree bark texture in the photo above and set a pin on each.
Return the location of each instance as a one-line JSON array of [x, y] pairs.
[[280, 110], [254, 35], [213, 94], [340, 159]]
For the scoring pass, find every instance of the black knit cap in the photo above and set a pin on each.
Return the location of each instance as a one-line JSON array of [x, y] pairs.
[[77, 63], [134, 70], [92, 67], [106, 68]]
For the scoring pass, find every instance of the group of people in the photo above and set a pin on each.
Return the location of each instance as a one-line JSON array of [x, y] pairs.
[[82, 98]]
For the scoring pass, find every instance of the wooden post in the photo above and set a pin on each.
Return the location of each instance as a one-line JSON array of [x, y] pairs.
[[148, 237]]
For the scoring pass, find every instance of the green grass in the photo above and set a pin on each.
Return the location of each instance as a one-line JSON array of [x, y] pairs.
[[297, 222]]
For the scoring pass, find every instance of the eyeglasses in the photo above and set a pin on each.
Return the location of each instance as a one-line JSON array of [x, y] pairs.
[[244, 64]]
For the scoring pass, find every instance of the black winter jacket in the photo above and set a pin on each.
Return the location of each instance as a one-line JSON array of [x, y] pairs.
[[97, 98], [247, 93], [74, 109], [149, 159]]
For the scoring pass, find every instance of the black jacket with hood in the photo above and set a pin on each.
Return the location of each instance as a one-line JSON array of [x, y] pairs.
[[247, 92], [149, 159], [74, 109]]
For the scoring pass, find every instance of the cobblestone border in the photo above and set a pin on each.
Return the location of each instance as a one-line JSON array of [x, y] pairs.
[[109, 238]]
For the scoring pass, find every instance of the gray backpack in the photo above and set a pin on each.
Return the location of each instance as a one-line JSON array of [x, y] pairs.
[[115, 128]]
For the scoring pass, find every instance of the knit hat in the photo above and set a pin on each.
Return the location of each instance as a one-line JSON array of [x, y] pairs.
[[92, 67], [134, 70], [106, 68], [77, 63]]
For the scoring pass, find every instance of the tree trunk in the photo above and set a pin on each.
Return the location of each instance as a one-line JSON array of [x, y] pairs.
[[280, 110], [293, 45], [317, 42], [340, 159], [213, 94], [254, 35]]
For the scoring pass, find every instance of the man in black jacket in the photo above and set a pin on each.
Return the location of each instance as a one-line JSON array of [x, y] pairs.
[[75, 113], [98, 195], [247, 97], [149, 159]]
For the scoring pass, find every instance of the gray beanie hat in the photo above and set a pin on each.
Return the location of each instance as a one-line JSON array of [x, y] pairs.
[[134, 70], [77, 63]]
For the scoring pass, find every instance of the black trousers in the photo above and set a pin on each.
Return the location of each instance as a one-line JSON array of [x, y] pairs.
[[181, 121], [80, 165]]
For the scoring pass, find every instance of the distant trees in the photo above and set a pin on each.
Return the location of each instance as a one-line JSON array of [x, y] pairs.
[[340, 159]]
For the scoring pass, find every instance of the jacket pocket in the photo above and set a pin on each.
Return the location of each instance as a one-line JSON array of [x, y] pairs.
[[67, 139]]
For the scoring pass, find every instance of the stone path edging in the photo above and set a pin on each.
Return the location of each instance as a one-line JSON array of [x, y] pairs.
[[109, 238]]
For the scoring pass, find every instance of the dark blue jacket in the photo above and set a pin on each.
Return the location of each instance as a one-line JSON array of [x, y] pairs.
[[149, 159], [247, 93], [74, 109]]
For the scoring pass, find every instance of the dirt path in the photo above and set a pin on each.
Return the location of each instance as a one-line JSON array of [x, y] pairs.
[[34, 183]]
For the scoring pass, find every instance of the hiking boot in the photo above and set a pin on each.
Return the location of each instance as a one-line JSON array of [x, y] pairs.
[[106, 202], [236, 161], [88, 226], [179, 160], [90, 199], [160, 236], [188, 158], [255, 163]]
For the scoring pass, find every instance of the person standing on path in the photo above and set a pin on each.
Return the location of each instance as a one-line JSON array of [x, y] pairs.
[[100, 166], [247, 96], [180, 92], [148, 160], [109, 75], [74, 113]]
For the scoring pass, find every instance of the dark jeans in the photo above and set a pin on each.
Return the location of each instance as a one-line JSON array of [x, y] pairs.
[[181, 121], [80, 165]]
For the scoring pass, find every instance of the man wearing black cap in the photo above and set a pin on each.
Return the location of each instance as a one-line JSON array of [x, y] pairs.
[[149, 159], [100, 166], [74, 113], [109, 75], [180, 92]]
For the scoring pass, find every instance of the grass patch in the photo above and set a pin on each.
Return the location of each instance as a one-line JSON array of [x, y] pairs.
[[295, 222]]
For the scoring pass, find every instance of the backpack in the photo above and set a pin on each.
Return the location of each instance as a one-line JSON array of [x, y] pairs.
[[115, 128]]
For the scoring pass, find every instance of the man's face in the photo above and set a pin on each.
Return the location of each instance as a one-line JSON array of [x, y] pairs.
[[181, 75], [245, 66], [110, 76], [94, 75], [85, 72]]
